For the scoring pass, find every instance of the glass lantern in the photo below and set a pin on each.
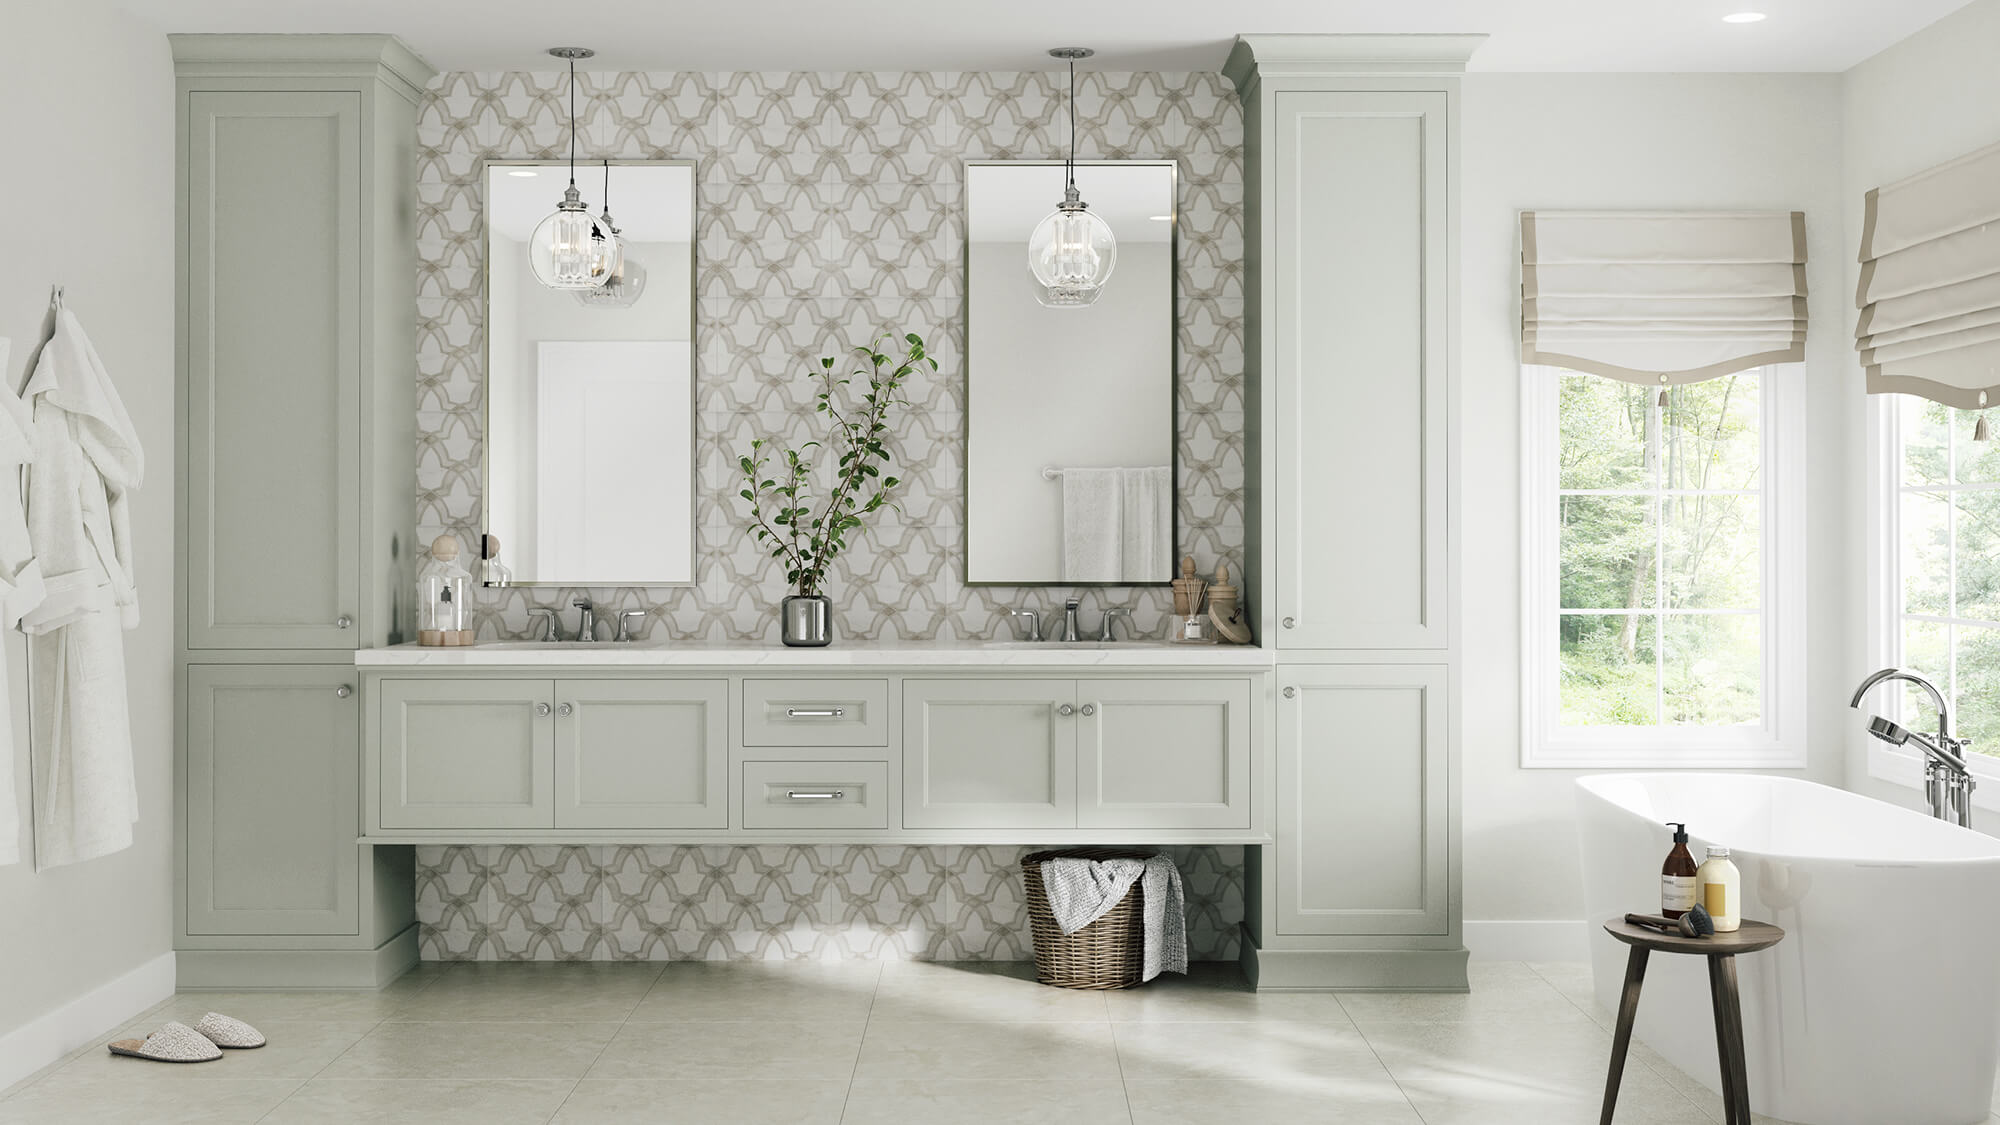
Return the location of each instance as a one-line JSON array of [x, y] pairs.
[[442, 588], [572, 249], [1071, 254]]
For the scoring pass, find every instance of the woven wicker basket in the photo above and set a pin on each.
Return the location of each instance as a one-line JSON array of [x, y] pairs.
[[1108, 953]]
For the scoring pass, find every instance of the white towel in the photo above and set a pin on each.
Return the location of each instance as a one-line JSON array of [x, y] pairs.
[[87, 462], [1092, 532], [20, 587], [1080, 891], [1145, 524], [1117, 524]]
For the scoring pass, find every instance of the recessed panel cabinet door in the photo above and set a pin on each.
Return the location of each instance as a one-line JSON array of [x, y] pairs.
[[642, 754], [989, 753], [272, 800], [1363, 804], [467, 754], [273, 353], [1362, 194], [1171, 754]]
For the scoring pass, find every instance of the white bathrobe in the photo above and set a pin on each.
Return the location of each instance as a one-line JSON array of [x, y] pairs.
[[20, 588], [87, 462]]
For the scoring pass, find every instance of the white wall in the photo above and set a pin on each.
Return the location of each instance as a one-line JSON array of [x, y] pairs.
[[1624, 142], [1932, 97], [90, 93]]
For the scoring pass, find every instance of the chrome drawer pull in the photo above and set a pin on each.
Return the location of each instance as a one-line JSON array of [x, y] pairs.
[[814, 712], [817, 795]]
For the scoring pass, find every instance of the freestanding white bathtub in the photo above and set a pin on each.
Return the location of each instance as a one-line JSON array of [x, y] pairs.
[[1882, 1004]]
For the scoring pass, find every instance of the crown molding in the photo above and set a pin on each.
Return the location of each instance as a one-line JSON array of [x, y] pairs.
[[351, 56], [1256, 57]]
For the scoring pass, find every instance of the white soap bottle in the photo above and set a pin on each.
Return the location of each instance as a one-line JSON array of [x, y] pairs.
[[1721, 890]]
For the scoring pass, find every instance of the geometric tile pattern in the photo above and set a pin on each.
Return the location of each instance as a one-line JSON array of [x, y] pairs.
[[776, 902], [830, 207]]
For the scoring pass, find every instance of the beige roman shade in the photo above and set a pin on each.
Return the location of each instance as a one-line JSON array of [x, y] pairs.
[[1930, 284], [1663, 296]]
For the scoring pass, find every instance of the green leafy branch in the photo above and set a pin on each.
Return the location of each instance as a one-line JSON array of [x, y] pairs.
[[801, 529]]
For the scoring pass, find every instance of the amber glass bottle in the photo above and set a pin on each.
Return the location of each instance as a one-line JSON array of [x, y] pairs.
[[1677, 878]]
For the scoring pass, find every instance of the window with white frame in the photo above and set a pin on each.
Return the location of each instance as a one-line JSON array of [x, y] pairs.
[[1660, 547], [1945, 585]]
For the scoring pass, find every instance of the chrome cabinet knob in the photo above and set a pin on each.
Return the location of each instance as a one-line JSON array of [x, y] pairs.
[[1066, 710], [565, 710], [541, 708], [1090, 708], [1291, 622], [343, 622], [343, 691], [1291, 693]]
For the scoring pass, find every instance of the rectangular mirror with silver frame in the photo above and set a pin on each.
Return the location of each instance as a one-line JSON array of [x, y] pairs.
[[1069, 460], [589, 451]]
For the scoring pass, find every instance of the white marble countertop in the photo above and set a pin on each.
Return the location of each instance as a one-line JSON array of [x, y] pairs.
[[858, 654]]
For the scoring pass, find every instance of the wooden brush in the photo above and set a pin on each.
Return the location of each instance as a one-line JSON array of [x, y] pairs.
[[1695, 923]]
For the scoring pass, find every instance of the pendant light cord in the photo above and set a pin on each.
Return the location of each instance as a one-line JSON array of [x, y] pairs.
[[572, 123], [1069, 169]]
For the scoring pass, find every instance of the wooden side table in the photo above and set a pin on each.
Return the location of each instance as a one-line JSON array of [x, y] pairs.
[[1721, 951]]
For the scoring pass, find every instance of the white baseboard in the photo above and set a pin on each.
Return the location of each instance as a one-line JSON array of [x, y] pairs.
[[50, 1037], [1555, 939]]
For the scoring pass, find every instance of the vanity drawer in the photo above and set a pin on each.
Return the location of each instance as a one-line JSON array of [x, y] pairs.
[[815, 794], [815, 712]]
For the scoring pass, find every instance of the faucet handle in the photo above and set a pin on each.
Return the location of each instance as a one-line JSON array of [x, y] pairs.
[[554, 632], [1034, 621], [625, 623], [582, 603], [1104, 634]]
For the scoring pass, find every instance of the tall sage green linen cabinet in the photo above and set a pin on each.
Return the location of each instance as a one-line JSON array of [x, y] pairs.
[[1351, 177], [297, 409]]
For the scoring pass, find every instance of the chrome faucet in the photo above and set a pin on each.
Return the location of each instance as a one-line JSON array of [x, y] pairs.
[[553, 634], [1948, 784], [625, 619], [586, 623], [1072, 628], [1033, 619], [1110, 615]]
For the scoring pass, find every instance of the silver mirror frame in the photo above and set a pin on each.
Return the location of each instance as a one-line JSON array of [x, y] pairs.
[[1173, 384], [486, 165]]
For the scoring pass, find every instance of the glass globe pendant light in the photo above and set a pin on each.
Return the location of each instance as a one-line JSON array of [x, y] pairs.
[[621, 290], [1072, 251], [571, 250]]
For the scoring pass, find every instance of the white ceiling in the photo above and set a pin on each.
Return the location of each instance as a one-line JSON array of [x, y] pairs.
[[1578, 35]]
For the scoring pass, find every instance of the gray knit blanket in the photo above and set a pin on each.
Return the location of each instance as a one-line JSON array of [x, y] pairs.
[[1081, 891]]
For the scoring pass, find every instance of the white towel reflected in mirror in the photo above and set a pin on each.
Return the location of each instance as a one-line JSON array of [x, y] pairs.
[[1117, 524]]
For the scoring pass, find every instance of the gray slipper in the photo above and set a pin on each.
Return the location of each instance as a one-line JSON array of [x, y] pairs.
[[228, 1033], [174, 1042]]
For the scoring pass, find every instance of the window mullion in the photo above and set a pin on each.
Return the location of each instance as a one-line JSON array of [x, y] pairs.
[[1659, 456]]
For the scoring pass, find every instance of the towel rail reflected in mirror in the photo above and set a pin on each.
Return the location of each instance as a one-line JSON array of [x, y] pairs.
[[1070, 416]]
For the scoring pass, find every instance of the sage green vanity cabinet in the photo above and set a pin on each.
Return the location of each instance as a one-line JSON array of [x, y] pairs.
[[296, 403], [1361, 752], [643, 754], [1168, 753], [272, 800], [1163, 753], [467, 753], [989, 753]]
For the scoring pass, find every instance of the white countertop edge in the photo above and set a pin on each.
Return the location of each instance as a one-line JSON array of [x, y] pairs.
[[1137, 654]]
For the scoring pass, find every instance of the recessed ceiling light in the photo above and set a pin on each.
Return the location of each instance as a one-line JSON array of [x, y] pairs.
[[1161, 218], [524, 173], [1744, 17]]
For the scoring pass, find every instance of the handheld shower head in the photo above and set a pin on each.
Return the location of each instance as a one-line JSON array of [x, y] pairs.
[[1891, 733]]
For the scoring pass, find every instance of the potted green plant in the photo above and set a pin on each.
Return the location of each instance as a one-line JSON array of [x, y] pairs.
[[803, 521]]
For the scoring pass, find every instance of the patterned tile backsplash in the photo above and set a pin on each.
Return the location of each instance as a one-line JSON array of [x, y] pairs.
[[830, 207], [822, 902]]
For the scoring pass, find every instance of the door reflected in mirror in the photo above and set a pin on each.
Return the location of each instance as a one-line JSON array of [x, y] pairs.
[[590, 395], [1069, 463]]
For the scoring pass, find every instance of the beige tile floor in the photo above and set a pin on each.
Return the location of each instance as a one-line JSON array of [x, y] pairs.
[[870, 1043]]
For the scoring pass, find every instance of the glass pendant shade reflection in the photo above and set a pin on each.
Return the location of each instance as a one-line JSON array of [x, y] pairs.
[[570, 249], [1072, 252], [621, 290]]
